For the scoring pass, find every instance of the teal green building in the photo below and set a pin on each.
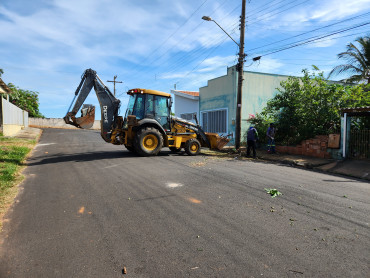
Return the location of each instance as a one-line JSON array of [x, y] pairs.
[[217, 100]]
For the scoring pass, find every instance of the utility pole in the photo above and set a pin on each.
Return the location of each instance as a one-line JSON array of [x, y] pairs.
[[240, 67], [114, 83]]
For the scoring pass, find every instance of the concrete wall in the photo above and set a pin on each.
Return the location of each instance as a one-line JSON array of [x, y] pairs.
[[55, 123], [258, 88], [221, 93], [13, 118], [185, 105]]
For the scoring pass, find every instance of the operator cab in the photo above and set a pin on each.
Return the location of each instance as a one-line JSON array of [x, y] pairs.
[[150, 104]]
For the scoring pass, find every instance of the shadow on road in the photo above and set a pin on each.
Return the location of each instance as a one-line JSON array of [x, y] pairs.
[[89, 156]]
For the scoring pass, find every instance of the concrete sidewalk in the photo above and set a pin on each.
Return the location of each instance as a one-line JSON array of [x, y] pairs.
[[30, 133], [353, 168]]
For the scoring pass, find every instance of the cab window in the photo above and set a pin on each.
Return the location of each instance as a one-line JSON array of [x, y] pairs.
[[138, 109], [149, 106], [161, 111]]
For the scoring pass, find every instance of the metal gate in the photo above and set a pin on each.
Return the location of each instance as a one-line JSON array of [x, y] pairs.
[[359, 144]]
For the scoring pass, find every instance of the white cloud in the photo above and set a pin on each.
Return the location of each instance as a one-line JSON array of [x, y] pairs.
[[46, 46], [334, 9], [323, 43], [266, 64]]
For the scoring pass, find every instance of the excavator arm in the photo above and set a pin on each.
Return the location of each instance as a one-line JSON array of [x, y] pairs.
[[108, 103]]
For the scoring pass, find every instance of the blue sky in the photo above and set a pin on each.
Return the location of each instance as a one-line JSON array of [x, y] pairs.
[[45, 45]]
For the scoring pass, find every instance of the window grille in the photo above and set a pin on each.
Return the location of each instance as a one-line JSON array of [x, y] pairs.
[[187, 116], [215, 121]]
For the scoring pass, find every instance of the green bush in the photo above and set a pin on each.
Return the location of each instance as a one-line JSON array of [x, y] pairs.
[[261, 123], [308, 106]]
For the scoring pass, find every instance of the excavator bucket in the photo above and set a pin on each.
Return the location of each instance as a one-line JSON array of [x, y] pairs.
[[87, 117], [217, 142]]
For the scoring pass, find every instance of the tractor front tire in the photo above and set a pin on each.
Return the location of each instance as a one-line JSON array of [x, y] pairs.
[[192, 147], [148, 141]]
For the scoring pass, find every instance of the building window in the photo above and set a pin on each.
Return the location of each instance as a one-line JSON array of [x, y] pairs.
[[188, 116], [215, 121]]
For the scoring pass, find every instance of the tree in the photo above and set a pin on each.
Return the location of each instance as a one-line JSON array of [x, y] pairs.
[[26, 100], [310, 105], [358, 61]]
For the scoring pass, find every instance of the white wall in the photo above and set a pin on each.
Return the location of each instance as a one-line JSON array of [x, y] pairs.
[[13, 118], [185, 105]]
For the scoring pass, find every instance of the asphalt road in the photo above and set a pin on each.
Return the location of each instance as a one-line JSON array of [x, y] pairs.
[[91, 209]]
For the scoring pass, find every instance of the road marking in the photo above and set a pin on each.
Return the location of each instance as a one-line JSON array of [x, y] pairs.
[[173, 185], [195, 201], [112, 166], [45, 144]]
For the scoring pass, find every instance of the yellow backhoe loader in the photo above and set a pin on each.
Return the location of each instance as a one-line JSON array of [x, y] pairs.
[[148, 125]]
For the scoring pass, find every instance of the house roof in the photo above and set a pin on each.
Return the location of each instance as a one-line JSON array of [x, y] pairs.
[[187, 94], [357, 111], [4, 89], [196, 94]]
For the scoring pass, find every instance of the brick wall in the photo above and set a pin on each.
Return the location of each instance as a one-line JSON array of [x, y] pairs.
[[316, 147]]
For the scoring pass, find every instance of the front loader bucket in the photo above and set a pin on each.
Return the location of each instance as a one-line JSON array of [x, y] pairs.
[[217, 142], [87, 117]]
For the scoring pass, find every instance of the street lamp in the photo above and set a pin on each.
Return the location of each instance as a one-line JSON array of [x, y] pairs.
[[207, 18], [240, 71]]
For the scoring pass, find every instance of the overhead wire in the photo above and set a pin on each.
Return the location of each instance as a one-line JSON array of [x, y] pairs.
[[195, 54], [318, 38], [199, 51], [173, 33], [263, 15], [156, 59], [312, 39], [271, 15], [175, 45], [281, 48], [307, 32], [206, 46]]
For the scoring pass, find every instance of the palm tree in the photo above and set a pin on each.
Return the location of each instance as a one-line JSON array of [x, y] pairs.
[[358, 61]]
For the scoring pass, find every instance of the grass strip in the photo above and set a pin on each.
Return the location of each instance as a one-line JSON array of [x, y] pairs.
[[13, 153]]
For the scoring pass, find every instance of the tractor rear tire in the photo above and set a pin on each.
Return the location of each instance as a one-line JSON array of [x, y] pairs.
[[192, 147], [148, 141]]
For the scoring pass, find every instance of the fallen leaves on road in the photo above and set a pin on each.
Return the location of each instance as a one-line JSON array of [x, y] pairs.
[[273, 192]]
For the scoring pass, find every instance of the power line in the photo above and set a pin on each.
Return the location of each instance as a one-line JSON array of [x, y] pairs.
[[156, 59], [179, 27], [264, 7], [183, 59], [304, 33], [314, 39], [254, 22]]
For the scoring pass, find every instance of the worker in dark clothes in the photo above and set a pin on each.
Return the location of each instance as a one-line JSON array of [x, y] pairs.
[[271, 131], [252, 137]]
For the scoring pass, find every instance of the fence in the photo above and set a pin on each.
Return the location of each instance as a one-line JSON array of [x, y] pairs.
[[13, 119], [359, 144]]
